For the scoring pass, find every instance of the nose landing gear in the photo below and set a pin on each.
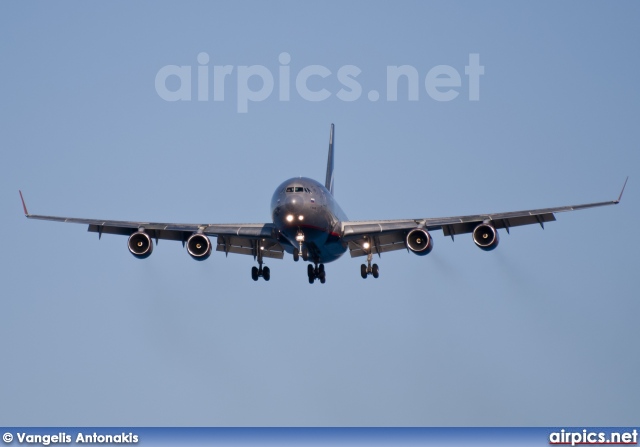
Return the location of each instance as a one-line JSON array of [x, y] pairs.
[[298, 253]]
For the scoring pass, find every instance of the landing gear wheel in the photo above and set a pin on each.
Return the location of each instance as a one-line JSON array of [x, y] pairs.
[[363, 271], [266, 273], [254, 273], [311, 273], [375, 271], [305, 254], [316, 272], [296, 254]]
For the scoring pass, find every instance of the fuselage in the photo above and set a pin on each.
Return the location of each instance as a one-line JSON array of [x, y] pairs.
[[308, 219]]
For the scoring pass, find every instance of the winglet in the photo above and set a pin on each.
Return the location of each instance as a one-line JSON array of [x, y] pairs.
[[620, 196], [24, 206], [329, 180]]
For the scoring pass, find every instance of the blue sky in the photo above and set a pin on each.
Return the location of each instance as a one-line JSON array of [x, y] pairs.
[[541, 331]]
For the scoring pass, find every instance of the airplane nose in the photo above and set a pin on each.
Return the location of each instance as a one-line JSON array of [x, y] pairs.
[[291, 204], [292, 210], [292, 201]]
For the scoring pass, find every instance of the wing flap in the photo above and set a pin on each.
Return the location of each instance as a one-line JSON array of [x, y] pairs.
[[505, 222], [105, 229], [377, 243], [355, 229], [245, 246], [242, 230]]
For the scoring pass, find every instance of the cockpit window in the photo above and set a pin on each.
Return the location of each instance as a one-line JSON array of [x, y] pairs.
[[289, 188], [296, 189]]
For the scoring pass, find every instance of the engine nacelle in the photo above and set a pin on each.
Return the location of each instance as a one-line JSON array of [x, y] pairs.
[[199, 246], [486, 236], [140, 245], [419, 241]]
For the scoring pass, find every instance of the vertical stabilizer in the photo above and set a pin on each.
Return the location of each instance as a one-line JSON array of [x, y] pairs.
[[329, 181]]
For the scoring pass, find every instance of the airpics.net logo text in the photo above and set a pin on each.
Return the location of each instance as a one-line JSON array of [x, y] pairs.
[[256, 83]]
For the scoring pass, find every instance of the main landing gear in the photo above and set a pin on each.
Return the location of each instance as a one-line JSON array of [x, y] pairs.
[[257, 272], [366, 270], [263, 272], [316, 272]]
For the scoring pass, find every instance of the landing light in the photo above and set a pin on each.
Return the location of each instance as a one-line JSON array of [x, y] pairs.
[[290, 218], [366, 245], [301, 217]]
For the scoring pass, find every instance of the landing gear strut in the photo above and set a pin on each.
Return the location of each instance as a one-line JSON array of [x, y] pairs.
[[366, 270], [316, 272], [297, 254], [301, 251]]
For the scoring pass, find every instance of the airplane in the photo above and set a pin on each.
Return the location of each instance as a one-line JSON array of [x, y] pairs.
[[308, 223]]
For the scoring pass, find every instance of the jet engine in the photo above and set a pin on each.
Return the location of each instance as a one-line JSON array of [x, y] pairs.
[[419, 241], [140, 245], [199, 246], [486, 236]]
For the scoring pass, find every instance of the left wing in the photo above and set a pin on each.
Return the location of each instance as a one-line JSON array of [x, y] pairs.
[[244, 239], [379, 236]]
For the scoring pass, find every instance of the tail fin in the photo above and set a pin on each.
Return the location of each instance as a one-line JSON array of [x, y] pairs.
[[329, 181]]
